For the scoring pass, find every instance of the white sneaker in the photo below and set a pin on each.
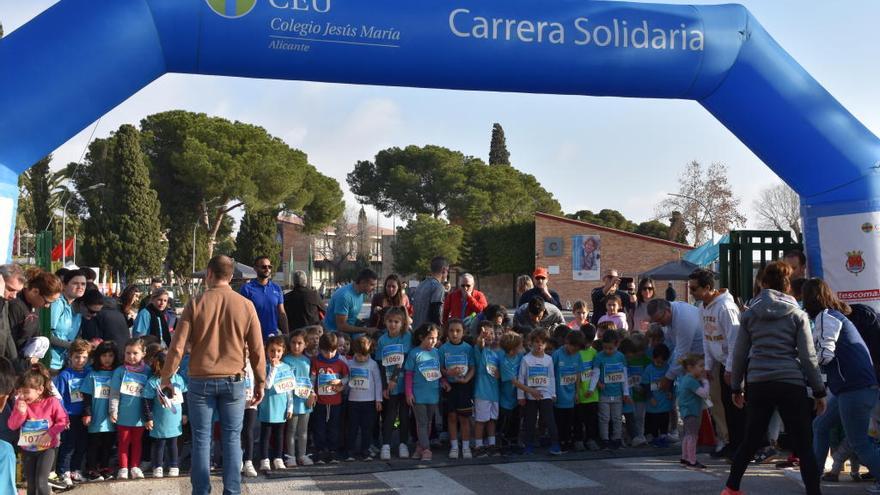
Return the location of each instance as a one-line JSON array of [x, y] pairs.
[[278, 464], [65, 478], [158, 473], [173, 472], [385, 453], [77, 477], [453, 453], [466, 453], [248, 470], [137, 474], [305, 461], [265, 465], [638, 441], [122, 474], [403, 451], [290, 462]]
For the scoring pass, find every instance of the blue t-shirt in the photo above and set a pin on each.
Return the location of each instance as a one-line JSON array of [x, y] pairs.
[[167, 422], [345, 301], [300, 368], [391, 353], [69, 384], [457, 359], [266, 299], [488, 373], [7, 468], [689, 403], [130, 386], [612, 372], [567, 367], [509, 372], [64, 322], [651, 377], [425, 366], [279, 396], [97, 384]]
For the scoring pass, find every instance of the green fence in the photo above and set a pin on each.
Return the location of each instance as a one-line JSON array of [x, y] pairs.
[[748, 251]]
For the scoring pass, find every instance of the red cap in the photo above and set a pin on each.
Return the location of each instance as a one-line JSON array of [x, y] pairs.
[[540, 272]]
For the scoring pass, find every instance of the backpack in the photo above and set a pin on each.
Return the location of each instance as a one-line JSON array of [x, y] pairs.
[[867, 322]]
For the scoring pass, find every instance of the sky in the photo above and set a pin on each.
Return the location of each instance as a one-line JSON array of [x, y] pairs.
[[591, 153]]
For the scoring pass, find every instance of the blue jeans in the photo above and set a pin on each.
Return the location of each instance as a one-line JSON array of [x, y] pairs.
[[852, 410], [328, 423], [226, 396]]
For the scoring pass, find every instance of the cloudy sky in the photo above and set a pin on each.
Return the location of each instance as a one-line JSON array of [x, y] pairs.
[[592, 153]]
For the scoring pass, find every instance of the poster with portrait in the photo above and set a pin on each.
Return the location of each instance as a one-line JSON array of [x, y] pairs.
[[586, 257]]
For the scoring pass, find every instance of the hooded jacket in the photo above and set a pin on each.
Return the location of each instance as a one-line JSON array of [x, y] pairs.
[[720, 327], [775, 344]]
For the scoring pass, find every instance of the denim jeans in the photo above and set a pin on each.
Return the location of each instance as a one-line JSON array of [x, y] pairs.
[[852, 410], [327, 427], [226, 396]]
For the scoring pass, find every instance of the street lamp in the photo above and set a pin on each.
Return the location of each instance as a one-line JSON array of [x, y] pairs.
[[64, 221], [708, 211]]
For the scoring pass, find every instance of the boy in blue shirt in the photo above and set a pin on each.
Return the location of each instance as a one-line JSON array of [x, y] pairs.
[[486, 394], [75, 439], [508, 408], [567, 364], [633, 348], [659, 402], [457, 366], [611, 381]]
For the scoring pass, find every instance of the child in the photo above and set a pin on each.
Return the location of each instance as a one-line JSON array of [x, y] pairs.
[[392, 350], [313, 336], [567, 364], [457, 366], [249, 422], [344, 349], [165, 418], [422, 385], [613, 313], [277, 406], [488, 365], [537, 391], [613, 387], [328, 374], [580, 312], [508, 409], [304, 398], [601, 328], [75, 439], [633, 348], [7, 452], [96, 411], [41, 419], [587, 407], [364, 398], [659, 401], [127, 408], [655, 337], [693, 390]]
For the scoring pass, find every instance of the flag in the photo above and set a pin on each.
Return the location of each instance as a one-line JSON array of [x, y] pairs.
[[67, 247]]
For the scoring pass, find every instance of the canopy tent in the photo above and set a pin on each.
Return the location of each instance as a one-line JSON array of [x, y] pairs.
[[672, 270], [707, 253], [241, 272]]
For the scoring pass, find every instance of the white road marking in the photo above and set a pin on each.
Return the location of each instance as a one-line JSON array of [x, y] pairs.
[[545, 476], [421, 482]]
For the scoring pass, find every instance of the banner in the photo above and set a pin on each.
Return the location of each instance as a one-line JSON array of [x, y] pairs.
[[850, 246], [586, 257]]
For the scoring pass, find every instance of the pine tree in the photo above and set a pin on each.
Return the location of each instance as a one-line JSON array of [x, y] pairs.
[[37, 183], [498, 154], [257, 236], [134, 216]]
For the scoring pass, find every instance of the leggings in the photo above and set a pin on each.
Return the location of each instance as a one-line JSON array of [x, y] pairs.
[[100, 447], [297, 435], [37, 466], [424, 414], [128, 440], [689, 441], [159, 452], [395, 407], [247, 434], [531, 412], [271, 435]]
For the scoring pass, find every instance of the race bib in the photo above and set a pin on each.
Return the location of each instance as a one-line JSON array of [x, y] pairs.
[[567, 375], [102, 387], [133, 384], [538, 376], [31, 431], [614, 373], [392, 355], [359, 379], [492, 365], [430, 370], [587, 372], [456, 365], [248, 388], [303, 388], [327, 383], [75, 394], [634, 380], [284, 383], [655, 386]]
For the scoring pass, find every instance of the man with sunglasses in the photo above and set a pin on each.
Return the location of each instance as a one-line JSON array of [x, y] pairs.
[[268, 299], [541, 289], [610, 286], [463, 301]]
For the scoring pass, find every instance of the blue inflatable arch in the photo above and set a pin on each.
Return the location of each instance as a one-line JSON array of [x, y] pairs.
[[80, 58]]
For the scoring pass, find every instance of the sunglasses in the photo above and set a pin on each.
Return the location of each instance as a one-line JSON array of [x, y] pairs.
[[647, 288], [265, 267]]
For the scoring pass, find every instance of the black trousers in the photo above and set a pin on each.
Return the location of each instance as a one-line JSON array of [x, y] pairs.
[[361, 418], [159, 447], [531, 411], [565, 420], [395, 407], [795, 408], [508, 426], [735, 417], [100, 447], [271, 434], [247, 434], [656, 424], [586, 422]]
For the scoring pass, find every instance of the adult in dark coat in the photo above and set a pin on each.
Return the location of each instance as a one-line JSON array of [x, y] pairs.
[[303, 304]]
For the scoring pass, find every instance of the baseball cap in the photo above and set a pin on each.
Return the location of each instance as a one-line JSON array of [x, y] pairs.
[[540, 272]]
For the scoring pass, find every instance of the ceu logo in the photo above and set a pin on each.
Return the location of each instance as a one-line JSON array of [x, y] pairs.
[[232, 9], [867, 227]]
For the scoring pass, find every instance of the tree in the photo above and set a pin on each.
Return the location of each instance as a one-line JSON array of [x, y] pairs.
[[606, 218], [706, 201], [258, 236], [363, 236], [500, 194], [779, 207], [409, 181], [498, 249], [678, 232], [498, 154], [318, 203], [653, 228], [37, 180], [422, 239]]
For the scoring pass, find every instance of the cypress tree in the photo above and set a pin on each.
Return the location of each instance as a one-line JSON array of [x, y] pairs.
[[257, 236], [498, 154]]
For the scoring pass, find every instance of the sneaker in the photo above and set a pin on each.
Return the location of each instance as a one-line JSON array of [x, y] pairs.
[[403, 451], [369, 457], [683, 462], [77, 476], [137, 473], [453, 453], [481, 451], [831, 477], [122, 474], [494, 451], [426, 455], [555, 450], [107, 474], [731, 491], [765, 454], [304, 461], [66, 481], [278, 464], [373, 451], [158, 473], [57, 484], [174, 472], [696, 465], [592, 446], [247, 469], [265, 465], [332, 459], [94, 477], [290, 462], [875, 488], [466, 453], [579, 446], [350, 459], [638, 441], [385, 453]]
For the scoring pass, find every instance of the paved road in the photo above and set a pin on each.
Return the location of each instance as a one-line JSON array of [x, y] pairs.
[[654, 475]]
